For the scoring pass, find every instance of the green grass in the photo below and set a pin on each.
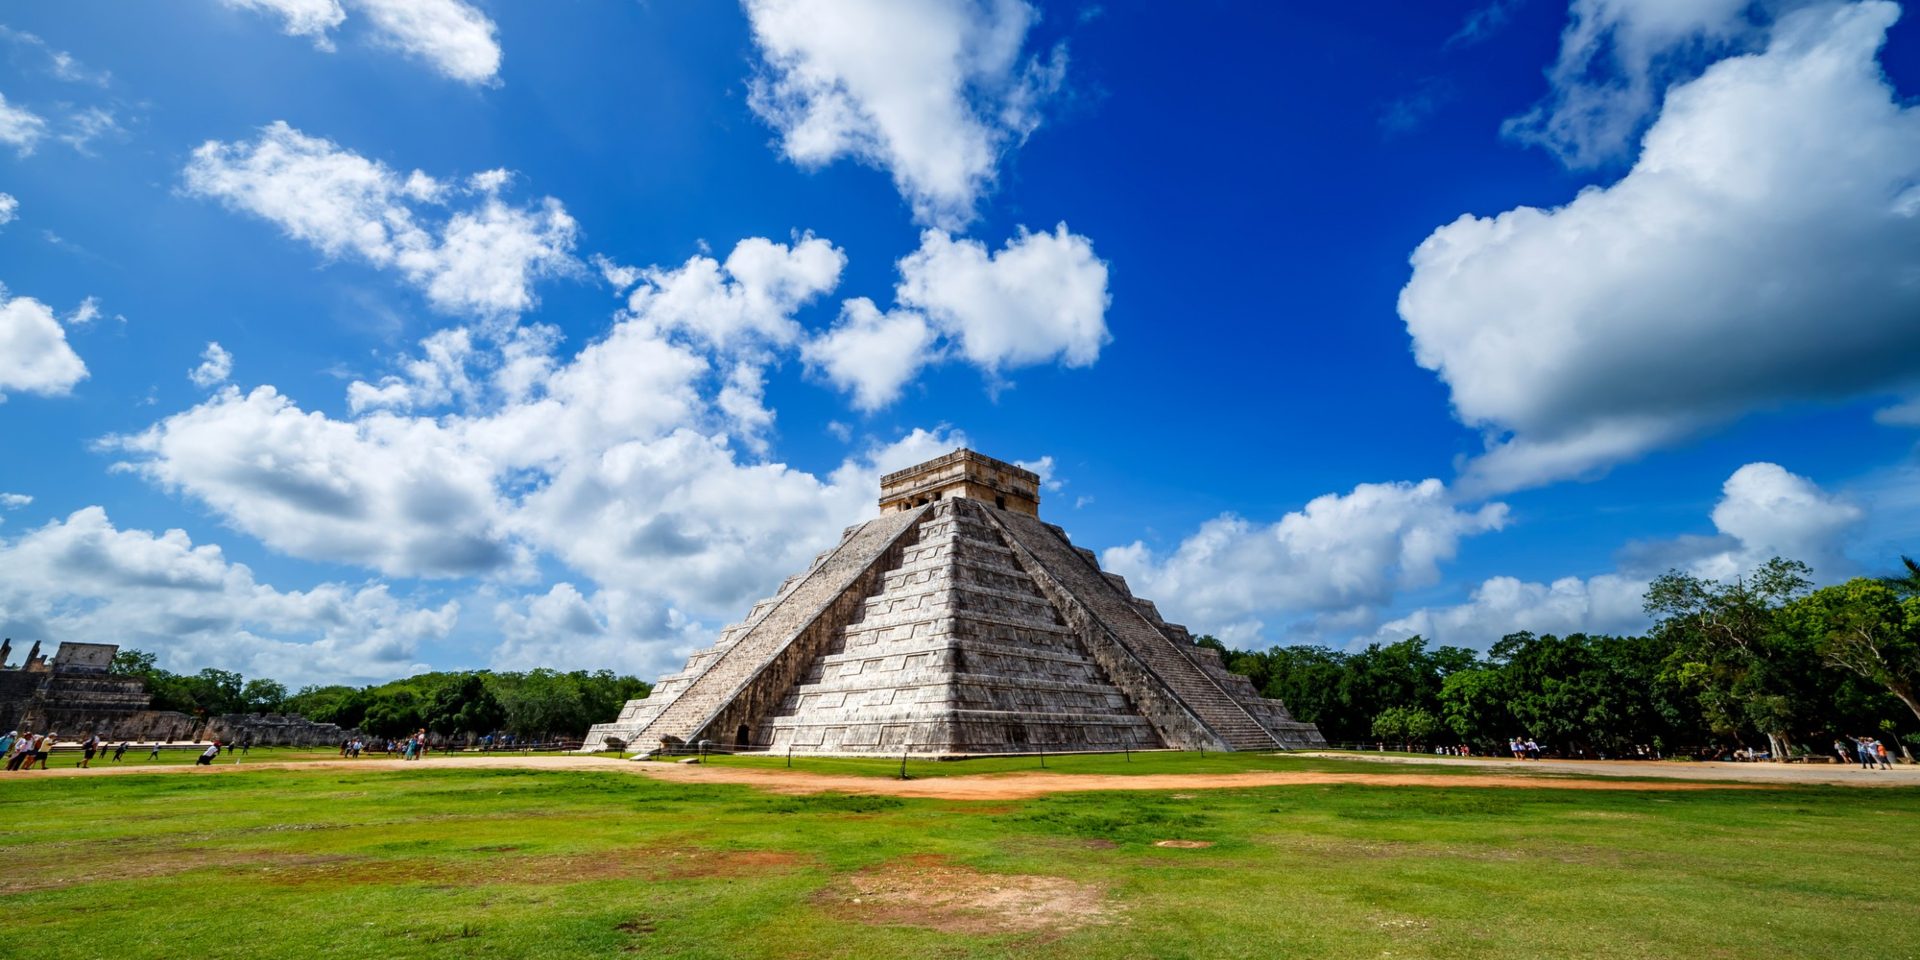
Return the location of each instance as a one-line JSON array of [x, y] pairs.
[[137, 754], [1109, 764], [443, 862]]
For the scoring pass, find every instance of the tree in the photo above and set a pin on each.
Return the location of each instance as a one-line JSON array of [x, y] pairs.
[[1728, 645], [133, 663], [1866, 627], [264, 696], [1310, 680], [544, 702], [394, 710], [1407, 725], [1473, 705], [463, 704], [336, 703], [1907, 582]]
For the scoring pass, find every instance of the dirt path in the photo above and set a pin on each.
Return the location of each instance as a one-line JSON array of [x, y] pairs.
[[999, 786]]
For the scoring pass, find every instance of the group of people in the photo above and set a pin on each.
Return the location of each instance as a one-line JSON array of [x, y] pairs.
[[1523, 749], [1871, 753], [23, 749], [410, 748]]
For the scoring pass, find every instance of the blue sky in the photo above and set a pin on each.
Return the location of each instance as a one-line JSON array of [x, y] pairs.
[[342, 337]]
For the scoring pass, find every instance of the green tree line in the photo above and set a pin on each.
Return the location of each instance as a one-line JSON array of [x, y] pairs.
[[538, 703], [1763, 661]]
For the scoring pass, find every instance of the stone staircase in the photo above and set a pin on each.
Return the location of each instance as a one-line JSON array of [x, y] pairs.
[[1080, 575], [956, 652], [772, 633]]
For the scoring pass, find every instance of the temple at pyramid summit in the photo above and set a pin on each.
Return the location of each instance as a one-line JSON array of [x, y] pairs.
[[955, 623]]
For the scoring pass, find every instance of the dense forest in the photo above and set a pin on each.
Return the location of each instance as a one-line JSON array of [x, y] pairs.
[[1763, 662], [534, 704]]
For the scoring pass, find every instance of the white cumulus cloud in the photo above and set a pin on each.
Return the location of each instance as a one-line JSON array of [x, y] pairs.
[[216, 365], [1335, 561], [9, 209], [932, 91], [34, 354], [454, 37], [300, 18], [483, 260], [744, 304], [1764, 511], [1041, 298], [1760, 252], [20, 128], [83, 579], [451, 36], [870, 354]]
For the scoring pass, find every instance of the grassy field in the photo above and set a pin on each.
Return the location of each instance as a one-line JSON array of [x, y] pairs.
[[172, 756], [426, 862]]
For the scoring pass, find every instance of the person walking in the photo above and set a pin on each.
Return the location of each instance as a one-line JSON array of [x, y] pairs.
[[155, 755], [42, 749], [120, 751], [89, 746], [1880, 754], [22, 749], [1862, 752], [6, 743], [1840, 750]]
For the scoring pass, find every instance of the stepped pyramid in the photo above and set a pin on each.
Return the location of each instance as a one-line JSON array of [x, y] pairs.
[[956, 623]]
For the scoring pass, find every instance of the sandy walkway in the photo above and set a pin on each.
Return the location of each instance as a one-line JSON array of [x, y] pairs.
[[1000, 786]]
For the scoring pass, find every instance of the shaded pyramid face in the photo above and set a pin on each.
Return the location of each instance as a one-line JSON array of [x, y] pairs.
[[954, 626]]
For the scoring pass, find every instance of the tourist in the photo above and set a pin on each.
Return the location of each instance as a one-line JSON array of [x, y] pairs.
[[89, 747], [155, 755], [1880, 754], [1513, 747], [41, 749], [206, 757], [22, 748], [120, 751], [6, 742], [1840, 750], [1863, 750], [1533, 749]]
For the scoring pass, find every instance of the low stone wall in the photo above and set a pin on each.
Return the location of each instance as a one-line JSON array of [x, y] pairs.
[[275, 730]]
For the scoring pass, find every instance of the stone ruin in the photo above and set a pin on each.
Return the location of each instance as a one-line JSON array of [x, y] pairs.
[[956, 623], [76, 693]]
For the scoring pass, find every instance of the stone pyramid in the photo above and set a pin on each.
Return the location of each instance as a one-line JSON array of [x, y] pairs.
[[956, 623]]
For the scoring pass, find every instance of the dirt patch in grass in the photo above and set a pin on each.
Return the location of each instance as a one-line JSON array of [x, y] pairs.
[[690, 863], [144, 865], [1184, 844], [933, 893]]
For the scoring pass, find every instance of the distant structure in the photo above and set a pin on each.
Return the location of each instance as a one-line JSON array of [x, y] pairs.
[[956, 623], [77, 693], [74, 693]]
